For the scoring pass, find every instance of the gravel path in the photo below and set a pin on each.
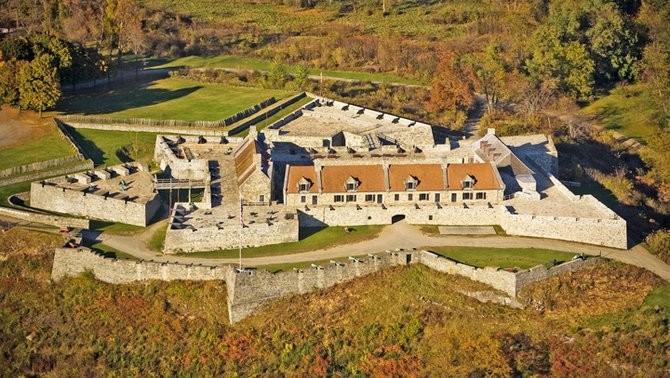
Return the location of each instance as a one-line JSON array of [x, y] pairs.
[[399, 235]]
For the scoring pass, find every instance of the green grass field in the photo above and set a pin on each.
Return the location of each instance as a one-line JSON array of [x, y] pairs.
[[277, 116], [523, 258], [47, 146], [249, 63], [627, 111], [115, 147], [310, 239], [170, 98]]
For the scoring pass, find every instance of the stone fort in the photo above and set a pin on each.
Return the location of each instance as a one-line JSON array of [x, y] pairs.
[[336, 164]]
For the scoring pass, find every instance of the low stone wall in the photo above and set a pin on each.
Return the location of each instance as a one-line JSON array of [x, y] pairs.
[[183, 169], [61, 200], [266, 114], [38, 166], [73, 261], [249, 290], [82, 166], [146, 128], [53, 220]]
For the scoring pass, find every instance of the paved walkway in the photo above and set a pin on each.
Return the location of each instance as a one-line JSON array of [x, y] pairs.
[[399, 235]]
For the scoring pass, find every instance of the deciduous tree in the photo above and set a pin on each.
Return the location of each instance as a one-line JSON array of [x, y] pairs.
[[39, 86]]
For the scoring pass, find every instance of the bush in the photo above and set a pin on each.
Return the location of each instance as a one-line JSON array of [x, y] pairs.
[[659, 244]]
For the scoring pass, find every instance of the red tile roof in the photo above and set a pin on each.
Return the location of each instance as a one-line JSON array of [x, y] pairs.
[[296, 173], [485, 177], [430, 176], [370, 178]]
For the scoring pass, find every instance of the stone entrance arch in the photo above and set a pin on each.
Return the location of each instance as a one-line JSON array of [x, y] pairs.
[[397, 218]]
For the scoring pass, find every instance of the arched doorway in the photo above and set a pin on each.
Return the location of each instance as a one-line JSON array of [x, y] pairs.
[[397, 218]]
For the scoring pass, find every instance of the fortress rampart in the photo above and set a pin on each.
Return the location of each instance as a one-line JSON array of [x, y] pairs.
[[249, 290]]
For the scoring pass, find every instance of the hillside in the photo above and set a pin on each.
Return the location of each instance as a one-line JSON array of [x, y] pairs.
[[404, 321]]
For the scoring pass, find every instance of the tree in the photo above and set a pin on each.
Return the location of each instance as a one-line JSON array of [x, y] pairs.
[[657, 154], [451, 87], [39, 87], [277, 76], [9, 86], [131, 36], [300, 77], [490, 73]]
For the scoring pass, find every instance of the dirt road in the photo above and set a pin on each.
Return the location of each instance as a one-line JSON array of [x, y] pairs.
[[398, 235]]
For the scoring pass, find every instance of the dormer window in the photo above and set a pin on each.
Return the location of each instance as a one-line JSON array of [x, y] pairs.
[[468, 182], [304, 185], [411, 183], [351, 185]]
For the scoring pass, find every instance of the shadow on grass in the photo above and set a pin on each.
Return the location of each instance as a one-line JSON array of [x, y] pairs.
[[117, 97]]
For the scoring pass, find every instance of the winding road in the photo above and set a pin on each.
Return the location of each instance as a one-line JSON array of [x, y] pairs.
[[398, 235]]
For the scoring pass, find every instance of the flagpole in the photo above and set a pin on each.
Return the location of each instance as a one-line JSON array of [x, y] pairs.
[[239, 239]]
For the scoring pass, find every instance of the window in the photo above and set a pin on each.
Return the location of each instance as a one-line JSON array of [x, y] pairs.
[[423, 197], [467, 184], [261, 198], [437, 197], [369, 198], [351, 198], [351, 184], [480, 195], [467, 196], [410, 197], [396, 197], [303, 199], [314, 200], [339, 198], [410, 183], [453, 197], [303, 187]]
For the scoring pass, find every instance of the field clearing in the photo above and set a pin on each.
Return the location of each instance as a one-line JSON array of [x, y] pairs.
[[523, 258], [29, 139], [627, 111], [311, 238], [169, 98], [115, 147], [249, 63]]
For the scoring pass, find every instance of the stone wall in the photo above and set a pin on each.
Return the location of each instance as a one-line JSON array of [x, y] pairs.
[[182, 169], [61, 200], [53, 220], [213, 237], [607, 232], [249, 290], [82, 166], [38, 166], [146, 128], [428, 213], [73, 261]]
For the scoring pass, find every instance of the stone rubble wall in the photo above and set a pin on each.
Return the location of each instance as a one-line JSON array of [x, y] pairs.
[[250, 290], [53, 198], [53, 220]]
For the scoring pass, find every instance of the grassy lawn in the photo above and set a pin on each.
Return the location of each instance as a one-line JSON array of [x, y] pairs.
[[249, 63], [627, 111], [170, 98], [115, 147], [46, 144], [277, 116], [310, 239], [115, 228], [523, 258], [107, 250], [7, 191], [157, 240]]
